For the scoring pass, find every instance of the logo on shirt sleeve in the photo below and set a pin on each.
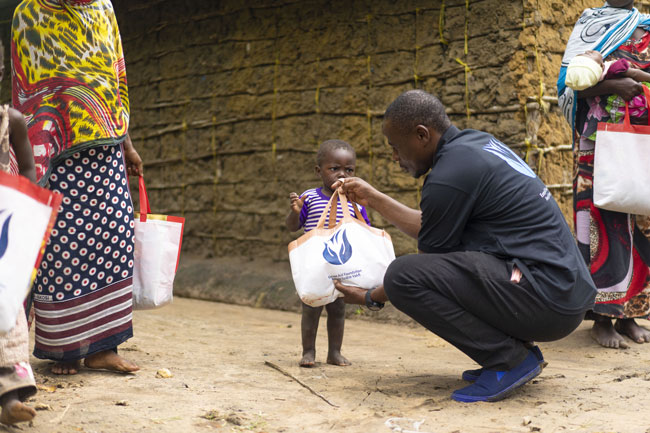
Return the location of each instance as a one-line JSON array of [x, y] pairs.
[[499, 149]]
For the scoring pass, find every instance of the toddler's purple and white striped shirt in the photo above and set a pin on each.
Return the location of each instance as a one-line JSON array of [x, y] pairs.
[[314, 204]]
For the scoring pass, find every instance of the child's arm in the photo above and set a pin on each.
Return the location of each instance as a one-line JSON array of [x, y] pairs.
[[20, 143], [637, 75], [293, 219]]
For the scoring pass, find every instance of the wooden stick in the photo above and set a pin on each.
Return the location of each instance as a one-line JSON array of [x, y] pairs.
[[286, 373], [59, 418]]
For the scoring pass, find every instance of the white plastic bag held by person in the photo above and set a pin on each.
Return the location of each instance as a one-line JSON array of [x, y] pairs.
[[157, 251]]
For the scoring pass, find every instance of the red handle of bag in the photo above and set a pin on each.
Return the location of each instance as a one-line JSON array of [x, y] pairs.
[[626, 121], [144, 200]]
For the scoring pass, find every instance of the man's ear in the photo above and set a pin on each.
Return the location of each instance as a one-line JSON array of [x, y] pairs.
[[423, 133], [317, 170]]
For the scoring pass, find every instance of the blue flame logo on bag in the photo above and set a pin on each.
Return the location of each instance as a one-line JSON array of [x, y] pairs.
[[4, 235], [338, 250]]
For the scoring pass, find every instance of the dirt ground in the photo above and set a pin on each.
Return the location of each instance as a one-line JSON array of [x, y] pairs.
[[400, 381]]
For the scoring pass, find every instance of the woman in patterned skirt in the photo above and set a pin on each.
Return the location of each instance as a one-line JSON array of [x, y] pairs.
[[70, 83], [615, 245]]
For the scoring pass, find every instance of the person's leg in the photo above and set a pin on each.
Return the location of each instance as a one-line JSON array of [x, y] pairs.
[[309, 329], [335, 327], [13, 410], [467, 299]]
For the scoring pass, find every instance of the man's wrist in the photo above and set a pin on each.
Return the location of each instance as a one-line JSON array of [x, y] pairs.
[[371, 304]]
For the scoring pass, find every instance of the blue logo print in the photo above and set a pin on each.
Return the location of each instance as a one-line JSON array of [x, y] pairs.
[[4, 235], [338, 250], [505, 153]]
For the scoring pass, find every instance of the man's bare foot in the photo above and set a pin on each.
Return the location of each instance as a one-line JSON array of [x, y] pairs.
[[109, 360], [604, 333], [67, 367], [337, 359], [14, 411], [630, 328], [308, 359]]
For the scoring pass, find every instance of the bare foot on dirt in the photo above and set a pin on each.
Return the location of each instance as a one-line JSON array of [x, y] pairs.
[[109, 360], [337, 359], [15, 411], [308, 359], [69, 367], [630, 328], [604, 333]]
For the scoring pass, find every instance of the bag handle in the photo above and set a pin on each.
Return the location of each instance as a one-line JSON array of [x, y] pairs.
[[626, 120], [338, 195], [344, 205], [144, 200], [332, 219]]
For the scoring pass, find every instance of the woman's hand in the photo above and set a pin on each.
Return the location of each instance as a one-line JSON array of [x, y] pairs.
[[625, 87], [133, 160]]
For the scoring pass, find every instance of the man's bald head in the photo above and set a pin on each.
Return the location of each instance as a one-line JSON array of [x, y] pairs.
[[417, 107]]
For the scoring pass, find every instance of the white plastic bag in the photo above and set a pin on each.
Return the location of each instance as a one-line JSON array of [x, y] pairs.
[[158, 241], [27, 215], [351, 251], [622, 166]]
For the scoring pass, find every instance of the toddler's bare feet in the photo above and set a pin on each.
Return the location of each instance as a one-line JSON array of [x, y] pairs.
[[308, 359], [109, 360], [335, 358], [630, 328], [67, 367], [604, 333], [14, 411]]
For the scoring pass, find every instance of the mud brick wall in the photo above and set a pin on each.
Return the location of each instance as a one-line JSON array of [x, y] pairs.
[[231, 99]]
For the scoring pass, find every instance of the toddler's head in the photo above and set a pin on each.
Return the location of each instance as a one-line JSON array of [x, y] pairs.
[[585, 70], [335, 159]]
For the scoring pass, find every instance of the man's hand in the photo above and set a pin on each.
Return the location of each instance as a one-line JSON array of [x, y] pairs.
[[357, 190], [296, 202], [352, 295]]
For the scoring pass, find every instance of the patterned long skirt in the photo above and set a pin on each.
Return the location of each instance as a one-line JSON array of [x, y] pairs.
[[615, 245], [83, 288]]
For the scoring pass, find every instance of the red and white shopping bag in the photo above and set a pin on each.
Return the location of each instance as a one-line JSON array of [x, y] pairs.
[[622, 165], [27, 215], [158, 241], [350, 251]]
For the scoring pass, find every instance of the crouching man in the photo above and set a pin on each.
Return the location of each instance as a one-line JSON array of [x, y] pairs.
[[498, 266]]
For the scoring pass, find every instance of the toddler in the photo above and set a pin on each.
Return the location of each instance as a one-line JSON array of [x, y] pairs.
[[336, 159], [16, 377]]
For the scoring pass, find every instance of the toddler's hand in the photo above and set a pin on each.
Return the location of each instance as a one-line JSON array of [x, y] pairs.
[[296, 202]]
